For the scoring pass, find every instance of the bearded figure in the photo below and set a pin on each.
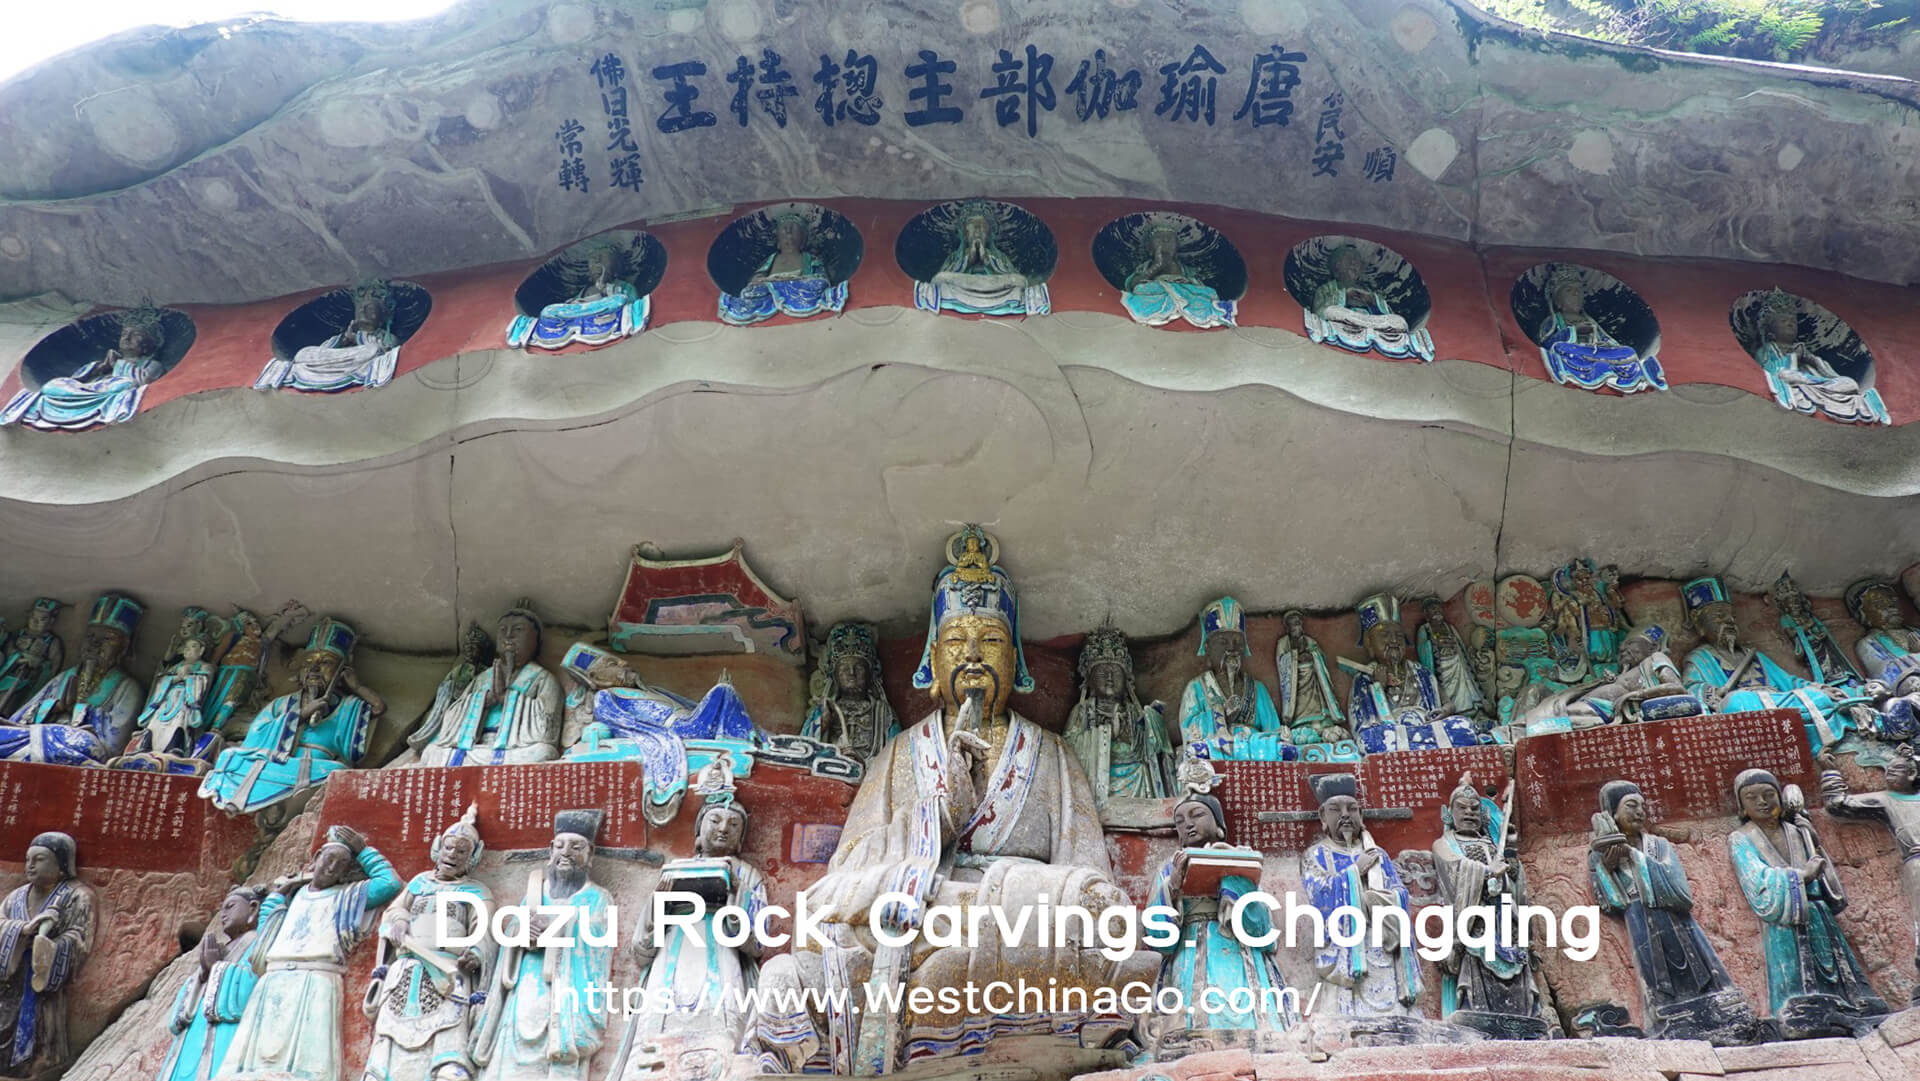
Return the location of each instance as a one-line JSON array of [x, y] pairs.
[[1731, 679], [1395, 702]]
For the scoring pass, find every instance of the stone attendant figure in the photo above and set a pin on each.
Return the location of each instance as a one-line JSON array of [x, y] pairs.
[[973, 806], [1636, 874], [364, 354], [1345, 868], [1889, 655], [511, 712], [170, 734], [1349, 313], [31, 656], [850, 709], [1159, 289], [1814, 983], [1308, 706], [236, 685], [791, 280], [1588, 622], [46, 935], [1899, 809], [1208, 958], [605, 308], [106, 391], [423, 992], [537, 1024], [691, 969], [1579, 351], [1395, 701], [1122, 745], [1729, 679], [476, 654], [296, 740], [208, 1008], [291, 1030], [1812, 642], [1801, 380], [1495, 993], [85, 714], [979, 278], [1442, 652], [1225, 707]]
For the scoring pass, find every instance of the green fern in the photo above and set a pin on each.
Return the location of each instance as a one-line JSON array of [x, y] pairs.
[[1722, 33]]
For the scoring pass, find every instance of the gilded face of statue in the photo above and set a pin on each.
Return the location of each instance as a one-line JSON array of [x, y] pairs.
[[237, 913], [1760, 803], [1634, 650], [1716, 625], [1468, 815], [975, 651], [721, 832], [1880, 610], [851, 674], [1903, 774], [1340, 818], [1107, 681], [452, 856], [1631, 814], [136, 341], [1193, 824], [331, 865], [102, 647], [43, 867], [317, 674]]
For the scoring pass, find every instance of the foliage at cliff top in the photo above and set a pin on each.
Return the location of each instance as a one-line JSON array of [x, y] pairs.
[[1787, 30]]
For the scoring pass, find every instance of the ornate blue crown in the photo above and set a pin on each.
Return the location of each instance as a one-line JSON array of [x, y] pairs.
[[1375, 610], [1224, 614], [117, 611], [332, 636], [972, 584], [1701, 592]]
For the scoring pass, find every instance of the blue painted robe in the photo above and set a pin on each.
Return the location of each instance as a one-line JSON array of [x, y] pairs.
[[1380, 727], [525, 1031], [1766, 685], [73, 402], [35, 734], [1159, 301], [1806, 952], [595, 321], [1672, 954], [1384, 982], [808, 293], [33, 1024], [1206, 955], [205, 1015], [279, 758], [1601, 362], [1203, 720]]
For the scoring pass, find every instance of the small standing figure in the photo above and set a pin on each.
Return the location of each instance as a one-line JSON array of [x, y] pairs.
[[1898, 808], [1812, 642], [1349, 311], [511, 713], [83, 716], [476, 655], [850, 709], [977, 277], [1580, 352], [1442, 652], [1588, 621], [792, 280], [1636, 874], [1122, 745], [706, 982], [1800, 378], [46, 936], [423, 991], [1492, 991], [1160, 289], [1225, 707], [1815, 986], [538, 1023], [170, 734], [237, 685], [1308, 706], [31, 656], [1395, 701], [364, 353], [605, 306], [208, 1009], [1203, 880], [106, 391], [309, 926], [1344, 868]]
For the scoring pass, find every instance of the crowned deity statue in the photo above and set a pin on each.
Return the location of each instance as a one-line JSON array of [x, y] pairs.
[[1800, 378], [509, 714], [1636, 874], [1579, 351], [1345, 869], [705, 981], [237, 682], [30, 656], [294, 1020], [1647, 687], [1308, 706], [424, 988], [1812, 642], [47, 926], [84, 715], [1349, 311], [1889, 655], [539, 1023], [171, 733], [1815, 986], [208, 1007], [1122, 745], [791, 280], [1730, 679], [106, 391], [1160, 289], [1395, 704], [1442, 652], [1492, 990], [363, 354], [297, 739], [849, 710], [1897, 807], [974, 807], [977, 277], [1588, 620], [604, 306], [1224, 707]]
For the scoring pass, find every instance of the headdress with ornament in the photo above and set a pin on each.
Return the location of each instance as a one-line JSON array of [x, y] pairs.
[[858, 639], [1495, 822], [65, 853], [1563, 275], [340, 836], [717, 790], [148, 320], [1779, 301], [1326, 786], [1378, 610], [374, 287], [1653, 634], [1224, 614], [803, 220], [1856, 596], [116, 611], [1703, 593], [465, 827], [972, 584], [1613, 792], [333, 638], [583, 822], [523, 608], [979, 208], [48, 605], [1106, 644]]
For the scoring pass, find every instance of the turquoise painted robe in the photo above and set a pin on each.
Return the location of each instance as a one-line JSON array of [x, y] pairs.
[[1806, 952], [280, 757], [594, 321], [1206, 959], [206, 1013], [422, 1017], [1159, 301], [1766, 685], [84, 399], [1203, 720], [538, 1026]]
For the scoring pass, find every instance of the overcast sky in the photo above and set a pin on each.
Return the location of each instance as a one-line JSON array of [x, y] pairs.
[[38, 29]]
